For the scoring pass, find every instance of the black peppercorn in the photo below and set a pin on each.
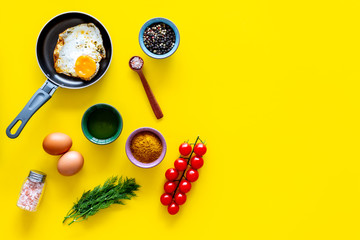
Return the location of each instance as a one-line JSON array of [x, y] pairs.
[[159, 38]]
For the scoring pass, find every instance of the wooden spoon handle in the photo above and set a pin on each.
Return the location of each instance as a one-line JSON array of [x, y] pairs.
[[154, 104]]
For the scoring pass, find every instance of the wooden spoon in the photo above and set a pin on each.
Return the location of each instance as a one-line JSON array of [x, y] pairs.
[[136, 63]]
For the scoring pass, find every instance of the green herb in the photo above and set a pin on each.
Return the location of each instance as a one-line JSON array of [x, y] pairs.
[[113, 191]]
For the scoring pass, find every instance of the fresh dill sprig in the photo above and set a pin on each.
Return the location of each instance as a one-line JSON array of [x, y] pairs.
[[113, 191]]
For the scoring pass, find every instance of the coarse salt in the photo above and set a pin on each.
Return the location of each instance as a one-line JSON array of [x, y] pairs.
[[136, 63], [31, 191]]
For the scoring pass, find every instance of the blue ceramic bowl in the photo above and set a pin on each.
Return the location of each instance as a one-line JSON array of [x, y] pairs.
[[156, 20]]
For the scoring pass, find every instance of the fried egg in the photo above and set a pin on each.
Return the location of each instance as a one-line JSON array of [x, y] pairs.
[[78, 51]]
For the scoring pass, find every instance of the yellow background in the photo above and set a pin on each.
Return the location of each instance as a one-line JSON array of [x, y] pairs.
[[273, 87]]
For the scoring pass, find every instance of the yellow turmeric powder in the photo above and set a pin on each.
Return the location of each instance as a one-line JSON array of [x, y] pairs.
[[146, 147]]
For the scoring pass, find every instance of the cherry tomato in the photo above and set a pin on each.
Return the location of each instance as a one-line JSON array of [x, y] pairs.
[[165, 199], [192, 175], [196, 162], [200, 149], [184, 186], [173, 208], [180, 164], [169, 187], [185, 149], [180, 198], [171, 174]]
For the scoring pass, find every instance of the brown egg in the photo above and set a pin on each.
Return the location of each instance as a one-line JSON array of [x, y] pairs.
[[70, 163], [57, 143]]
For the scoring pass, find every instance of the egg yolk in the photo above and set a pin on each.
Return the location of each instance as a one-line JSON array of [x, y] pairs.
[[85, 66]]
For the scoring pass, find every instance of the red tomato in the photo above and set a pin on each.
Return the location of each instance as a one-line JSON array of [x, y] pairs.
[[173, 208], [192, 175], [185, 149], [180, 198], [165, 199], [180, 164], [184, 186], [171, 174], [200, 149], [169, 187], [196, 162]]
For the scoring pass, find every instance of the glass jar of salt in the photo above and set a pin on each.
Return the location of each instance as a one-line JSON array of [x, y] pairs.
[[31, 191]]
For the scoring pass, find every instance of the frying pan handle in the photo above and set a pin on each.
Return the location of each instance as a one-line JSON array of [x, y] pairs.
[[38, 99]]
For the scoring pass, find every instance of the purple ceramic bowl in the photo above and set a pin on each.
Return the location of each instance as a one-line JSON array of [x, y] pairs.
[[130, 155]]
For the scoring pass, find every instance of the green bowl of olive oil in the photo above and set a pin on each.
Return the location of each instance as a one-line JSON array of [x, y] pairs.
[[102, 124]]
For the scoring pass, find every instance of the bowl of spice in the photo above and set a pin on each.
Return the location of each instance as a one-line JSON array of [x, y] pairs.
[[159, 38], [145, 147]]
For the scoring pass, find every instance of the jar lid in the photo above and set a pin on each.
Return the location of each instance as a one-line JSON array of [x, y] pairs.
[[37, 176]]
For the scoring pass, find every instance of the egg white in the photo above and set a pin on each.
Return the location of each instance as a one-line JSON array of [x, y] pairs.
[[83, 39]]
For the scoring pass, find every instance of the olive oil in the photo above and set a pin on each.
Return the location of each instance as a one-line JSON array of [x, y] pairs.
[[103, 123]]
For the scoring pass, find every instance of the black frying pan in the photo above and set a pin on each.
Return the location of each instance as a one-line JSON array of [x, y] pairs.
[[45, 46]]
